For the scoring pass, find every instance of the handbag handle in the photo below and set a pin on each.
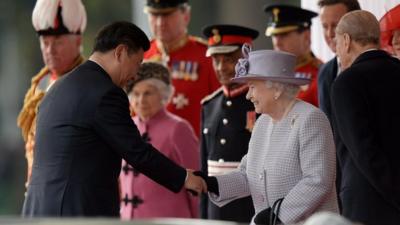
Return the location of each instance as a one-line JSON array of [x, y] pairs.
[[276, 207]]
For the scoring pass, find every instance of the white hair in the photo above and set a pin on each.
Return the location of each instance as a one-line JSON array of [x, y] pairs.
[[166, 91]]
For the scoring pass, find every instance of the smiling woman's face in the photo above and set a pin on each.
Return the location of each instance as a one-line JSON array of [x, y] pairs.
[[261, 96]]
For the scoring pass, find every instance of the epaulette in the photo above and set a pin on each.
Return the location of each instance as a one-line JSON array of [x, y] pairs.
[[211, 96], [200, 40]]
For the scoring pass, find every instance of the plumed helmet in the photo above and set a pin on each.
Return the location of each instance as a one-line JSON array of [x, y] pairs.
[[57, 17]]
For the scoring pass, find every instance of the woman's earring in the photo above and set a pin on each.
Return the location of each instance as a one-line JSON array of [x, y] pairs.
[[276, 96]]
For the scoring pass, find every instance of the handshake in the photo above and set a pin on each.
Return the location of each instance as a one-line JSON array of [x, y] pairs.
[[197, 182]]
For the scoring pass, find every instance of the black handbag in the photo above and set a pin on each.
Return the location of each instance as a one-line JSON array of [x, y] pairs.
[[276, 207]]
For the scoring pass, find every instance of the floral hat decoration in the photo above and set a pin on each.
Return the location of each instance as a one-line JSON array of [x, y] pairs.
[[271, 65]]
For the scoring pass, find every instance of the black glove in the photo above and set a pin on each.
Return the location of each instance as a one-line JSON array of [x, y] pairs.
[[263, 217], [212, 183]]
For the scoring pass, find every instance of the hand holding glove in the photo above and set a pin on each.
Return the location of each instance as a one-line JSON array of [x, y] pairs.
[[212, 183]]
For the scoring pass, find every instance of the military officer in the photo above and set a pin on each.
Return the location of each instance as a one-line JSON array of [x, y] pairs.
[[227, 118], [192, 75], [289, 27], [59, 25]]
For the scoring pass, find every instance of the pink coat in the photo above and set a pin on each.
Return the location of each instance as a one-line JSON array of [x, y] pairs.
[[142, 197]]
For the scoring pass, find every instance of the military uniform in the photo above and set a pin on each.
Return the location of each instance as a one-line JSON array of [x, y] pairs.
[[284, 19], [227, 120], [226, 129], [47, 20], [308, 66]]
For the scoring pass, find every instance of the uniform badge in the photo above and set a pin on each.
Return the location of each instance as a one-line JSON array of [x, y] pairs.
[[216, 37], [303, 75], [185, 70], [180, 101], [250, 120], [276, 12]]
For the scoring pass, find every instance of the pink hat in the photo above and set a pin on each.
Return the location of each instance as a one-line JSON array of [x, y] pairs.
[[268, 65]]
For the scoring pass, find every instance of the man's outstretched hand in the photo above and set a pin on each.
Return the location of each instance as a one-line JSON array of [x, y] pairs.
[[195, 184], [212, 182]]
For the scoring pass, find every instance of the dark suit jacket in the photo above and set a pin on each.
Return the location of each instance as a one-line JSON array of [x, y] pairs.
[[84, 129], [326, 75], [367, 124]]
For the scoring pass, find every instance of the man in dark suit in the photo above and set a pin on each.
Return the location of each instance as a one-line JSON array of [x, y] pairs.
[[330, 14], [366, 123], [84, 129], [227, 118]]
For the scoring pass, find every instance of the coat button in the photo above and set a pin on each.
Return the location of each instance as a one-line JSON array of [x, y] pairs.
[[205, 131], [225, 121], [228, 103], [222, 141]]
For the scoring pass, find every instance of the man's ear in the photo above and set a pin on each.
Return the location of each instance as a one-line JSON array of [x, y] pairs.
[[347, 41], [119, 51]]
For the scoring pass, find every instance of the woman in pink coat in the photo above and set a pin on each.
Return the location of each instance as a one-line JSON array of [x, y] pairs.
[[141, 197]]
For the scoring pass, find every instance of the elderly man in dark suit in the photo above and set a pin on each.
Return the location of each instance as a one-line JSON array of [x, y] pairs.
[[84, 129], [366, 123]]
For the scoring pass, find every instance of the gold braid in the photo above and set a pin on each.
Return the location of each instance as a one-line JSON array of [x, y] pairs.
[[32, 99], [27, 117]]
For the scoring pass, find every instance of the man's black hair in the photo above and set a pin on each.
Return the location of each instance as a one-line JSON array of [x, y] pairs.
[[121, 32]]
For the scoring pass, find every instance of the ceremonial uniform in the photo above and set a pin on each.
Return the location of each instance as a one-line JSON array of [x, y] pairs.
[[226, 129], [308, 66], [192, 77], [227, 119], [57, 24], [284, 19]]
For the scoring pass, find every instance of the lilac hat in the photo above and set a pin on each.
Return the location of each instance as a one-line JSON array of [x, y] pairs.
[[268, 65]]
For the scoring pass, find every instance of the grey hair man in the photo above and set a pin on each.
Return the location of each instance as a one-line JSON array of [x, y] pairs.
[[365, 128], [59, 25]]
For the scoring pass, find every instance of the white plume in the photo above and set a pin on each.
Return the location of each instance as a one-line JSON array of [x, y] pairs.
[[73, 14]]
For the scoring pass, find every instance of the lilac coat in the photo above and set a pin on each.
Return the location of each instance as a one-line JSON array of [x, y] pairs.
[[175, 138]]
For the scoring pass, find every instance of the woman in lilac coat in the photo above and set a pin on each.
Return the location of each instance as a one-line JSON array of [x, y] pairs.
[[140, 196], [291, 162]]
